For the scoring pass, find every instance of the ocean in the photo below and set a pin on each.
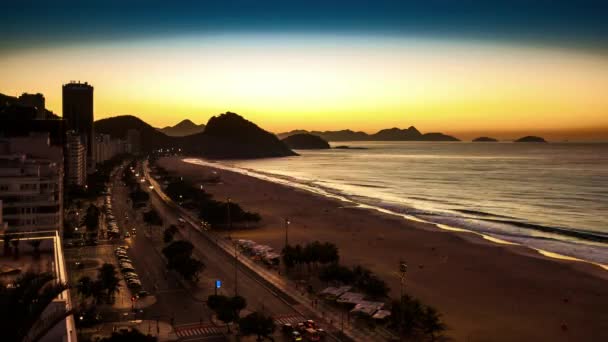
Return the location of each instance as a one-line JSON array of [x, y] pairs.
[[552, 197]]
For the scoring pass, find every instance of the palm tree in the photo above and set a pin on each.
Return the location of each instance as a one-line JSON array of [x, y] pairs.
[[22, 305], [85, 287], [109, 280]]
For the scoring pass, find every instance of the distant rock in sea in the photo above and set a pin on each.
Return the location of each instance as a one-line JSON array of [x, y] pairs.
[[484, 139], [183, 128], [306, 141], [345, 147], [531, 138], [389, 134]]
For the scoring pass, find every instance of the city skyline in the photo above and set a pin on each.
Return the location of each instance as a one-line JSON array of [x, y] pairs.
[[445, 68]]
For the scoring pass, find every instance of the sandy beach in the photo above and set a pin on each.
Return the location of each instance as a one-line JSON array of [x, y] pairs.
[[485, 291]]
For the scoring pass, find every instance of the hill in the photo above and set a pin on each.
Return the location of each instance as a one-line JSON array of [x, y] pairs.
[[118, 126], [183, 128], [531, 138], [484, 139], [306, 141], [229, 136], [390, 134]]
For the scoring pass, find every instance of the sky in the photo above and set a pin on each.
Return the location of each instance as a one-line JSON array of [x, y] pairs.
[[467, 68]]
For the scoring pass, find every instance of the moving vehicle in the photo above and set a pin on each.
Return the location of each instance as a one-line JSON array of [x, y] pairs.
[[312, 335]]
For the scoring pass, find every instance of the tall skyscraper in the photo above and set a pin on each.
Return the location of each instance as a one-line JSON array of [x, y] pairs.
[[78, 113]]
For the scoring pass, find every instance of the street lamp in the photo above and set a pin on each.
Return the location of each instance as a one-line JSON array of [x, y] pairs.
[[287, 222], [236, 261]]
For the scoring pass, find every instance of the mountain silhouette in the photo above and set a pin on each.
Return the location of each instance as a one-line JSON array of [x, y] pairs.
[[183, 128], [118, 126], [229, 135], [305, 141], [226, 136]]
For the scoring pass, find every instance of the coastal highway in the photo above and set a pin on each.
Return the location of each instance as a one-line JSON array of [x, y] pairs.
[[186, 305]]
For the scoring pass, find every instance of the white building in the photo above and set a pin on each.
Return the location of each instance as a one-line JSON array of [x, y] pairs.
[[31, 183], [106, 148], [76, 160]]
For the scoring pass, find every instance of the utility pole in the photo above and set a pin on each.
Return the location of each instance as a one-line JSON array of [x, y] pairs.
[[229, 218], [287, 222], [402, 273], [236, 262]]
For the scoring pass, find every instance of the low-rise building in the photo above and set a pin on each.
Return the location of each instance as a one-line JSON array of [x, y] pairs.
[[31, 183]]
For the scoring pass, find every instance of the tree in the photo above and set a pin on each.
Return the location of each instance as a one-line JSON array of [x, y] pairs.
[[109, 280], [22, 305], [226, 315], [91, 219], [151, 217], [257, 324], [431, 324], [169, 233], [177, 251], [132, 335], [179, 258], [226, 309], [238, 303], [328, 253], [85, 287], [190, 268], [410, 318]]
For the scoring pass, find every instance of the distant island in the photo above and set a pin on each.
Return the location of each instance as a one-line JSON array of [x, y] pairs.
[[183, 128], [346, 147], [390, 134], [485, 139], [532, 139], [305, 141]]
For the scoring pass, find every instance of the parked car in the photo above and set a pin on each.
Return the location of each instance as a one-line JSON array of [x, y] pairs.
[[142, 294]]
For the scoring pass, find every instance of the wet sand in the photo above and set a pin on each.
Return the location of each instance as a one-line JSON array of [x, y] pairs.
[[485, 291]]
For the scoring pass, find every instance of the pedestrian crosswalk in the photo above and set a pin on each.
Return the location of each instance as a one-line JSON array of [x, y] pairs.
[[285, 319], [198, 330]]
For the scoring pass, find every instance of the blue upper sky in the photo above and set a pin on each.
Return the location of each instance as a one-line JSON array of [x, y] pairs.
[[568, 23]]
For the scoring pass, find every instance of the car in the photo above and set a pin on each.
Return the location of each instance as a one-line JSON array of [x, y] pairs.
[[129, 276], [123, 258], [312, 335], [125, 264], [121, 254], [295, 336], [134, 285], [127, 235], [127, 269], [142, 294], [310, 324]]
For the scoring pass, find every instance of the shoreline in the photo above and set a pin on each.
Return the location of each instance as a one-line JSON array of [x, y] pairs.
[[485, 290], [278, 180]]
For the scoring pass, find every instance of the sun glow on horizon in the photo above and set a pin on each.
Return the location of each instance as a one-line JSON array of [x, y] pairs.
[[325, 83]]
